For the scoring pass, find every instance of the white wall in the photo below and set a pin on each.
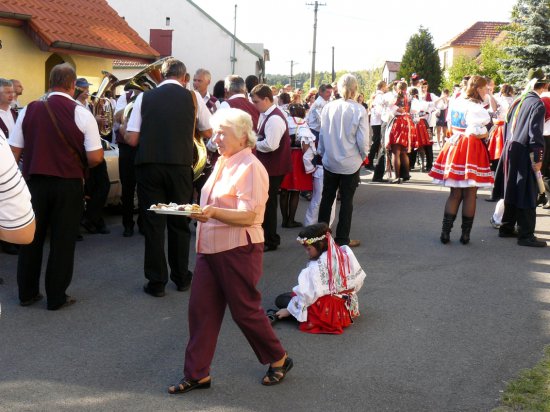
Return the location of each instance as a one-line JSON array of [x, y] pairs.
[[196, 40]]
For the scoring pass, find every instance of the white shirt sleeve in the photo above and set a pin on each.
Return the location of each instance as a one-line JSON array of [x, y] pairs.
[[203, 114], [224, 105], [15, 200], [363, 133], [305, 293], [134, 123], [274, 131], [121, 102], [16, 135], [87, 124]]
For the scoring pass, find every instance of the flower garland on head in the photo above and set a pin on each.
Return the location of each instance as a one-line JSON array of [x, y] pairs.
[[337, 261]]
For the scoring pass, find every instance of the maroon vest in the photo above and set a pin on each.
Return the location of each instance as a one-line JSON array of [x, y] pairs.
[[3, 125], [45, 152], [245, 105], [278, 162]]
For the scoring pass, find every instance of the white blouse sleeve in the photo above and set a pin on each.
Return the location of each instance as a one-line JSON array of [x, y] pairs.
[[476, 119], [305, 292]]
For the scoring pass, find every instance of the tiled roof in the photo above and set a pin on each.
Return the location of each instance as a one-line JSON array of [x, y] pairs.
[[475, 35], [393, 66], [89, 26]]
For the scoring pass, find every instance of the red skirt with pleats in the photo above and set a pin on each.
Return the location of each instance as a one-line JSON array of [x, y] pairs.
[[328, 314], [496, 140], [422, 135], [297, 179], [465, 163], [403, 132]]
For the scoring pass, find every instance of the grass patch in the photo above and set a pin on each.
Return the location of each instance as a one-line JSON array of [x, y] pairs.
[[531, 390]]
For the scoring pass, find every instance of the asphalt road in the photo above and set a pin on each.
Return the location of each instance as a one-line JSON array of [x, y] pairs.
[[443, 327]]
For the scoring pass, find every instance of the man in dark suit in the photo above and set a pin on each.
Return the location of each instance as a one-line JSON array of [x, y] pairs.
[[162, 123]]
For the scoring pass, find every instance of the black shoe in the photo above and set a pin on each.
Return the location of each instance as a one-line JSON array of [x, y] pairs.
[[79, 238], [89, 226], [182, 287], [293, 224], [186, 385], [156, 293], [68, 302], [128, 232], [490, 199], [397, 181], [103, 230], [10, 248], [31, 301], [505, 233], [531, 242], [269, 248], [379, 180]]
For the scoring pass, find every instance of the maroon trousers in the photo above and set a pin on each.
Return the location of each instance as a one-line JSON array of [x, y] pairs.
[[227, 279]]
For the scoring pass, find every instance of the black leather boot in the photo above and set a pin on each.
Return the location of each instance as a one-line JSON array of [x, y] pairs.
[[467, 223], [448, 221]]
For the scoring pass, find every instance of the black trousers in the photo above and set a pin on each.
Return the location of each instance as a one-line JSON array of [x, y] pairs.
[[546, 166], [429, 150], [269, 225], [347, 184], [127, 173], [375, 146], [57, 205], [97, 190], [161, 183], [525, 218]]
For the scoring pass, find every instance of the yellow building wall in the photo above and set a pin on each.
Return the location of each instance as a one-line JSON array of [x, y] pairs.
[[20, 58]]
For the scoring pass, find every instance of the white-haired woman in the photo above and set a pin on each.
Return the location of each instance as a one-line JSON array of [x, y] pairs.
[[230, 244]]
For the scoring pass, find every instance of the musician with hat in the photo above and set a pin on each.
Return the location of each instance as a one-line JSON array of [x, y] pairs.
[[522, 159]]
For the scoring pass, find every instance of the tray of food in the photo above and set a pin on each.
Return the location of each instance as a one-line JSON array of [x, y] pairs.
[[175, 209]]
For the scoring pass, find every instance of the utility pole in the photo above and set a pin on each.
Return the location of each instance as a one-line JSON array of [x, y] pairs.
[[333, 72], [292, 64], [233, 57], [312, 77]]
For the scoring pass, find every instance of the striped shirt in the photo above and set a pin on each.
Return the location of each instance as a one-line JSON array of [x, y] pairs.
[[15, 200], [238, 182]]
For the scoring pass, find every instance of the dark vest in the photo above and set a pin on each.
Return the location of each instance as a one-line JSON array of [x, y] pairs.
[[166, 135], [246, 106], [3, 125], [45, 152], [278, 162]]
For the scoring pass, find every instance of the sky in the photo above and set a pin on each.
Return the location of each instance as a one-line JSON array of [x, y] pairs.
[[364, 33]]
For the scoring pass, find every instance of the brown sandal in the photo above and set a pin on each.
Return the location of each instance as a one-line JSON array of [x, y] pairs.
[[276, 374], [186, 385]]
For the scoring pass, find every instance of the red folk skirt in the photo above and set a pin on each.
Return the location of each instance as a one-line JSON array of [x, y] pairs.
[[328, 314], [297, 179], [464, 164], [496, 140], [422, 135], [403, 132]]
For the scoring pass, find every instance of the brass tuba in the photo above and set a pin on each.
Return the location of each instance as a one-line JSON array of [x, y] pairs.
[[102, 108], [148, 79]]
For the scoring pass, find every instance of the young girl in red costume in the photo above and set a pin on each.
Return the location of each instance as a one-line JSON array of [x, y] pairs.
[[325, 299], [402, 132], [463, 164]]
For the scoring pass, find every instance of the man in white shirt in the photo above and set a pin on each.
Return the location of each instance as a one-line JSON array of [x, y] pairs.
[[343, 144], [314, 114], [18, 89], [377, 106], [56, 154], [201, 81]]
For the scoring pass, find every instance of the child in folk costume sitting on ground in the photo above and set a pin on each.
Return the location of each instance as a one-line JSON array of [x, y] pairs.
[[325, 299]]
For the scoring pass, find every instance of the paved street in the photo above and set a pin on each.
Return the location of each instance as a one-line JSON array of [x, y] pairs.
[[442, 326]]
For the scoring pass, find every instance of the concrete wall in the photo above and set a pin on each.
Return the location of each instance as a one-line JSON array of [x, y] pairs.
[[196, 40], [20, 58]]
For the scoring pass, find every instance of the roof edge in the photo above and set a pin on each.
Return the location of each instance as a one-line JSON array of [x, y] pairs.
[[100, 50], [225, 30]]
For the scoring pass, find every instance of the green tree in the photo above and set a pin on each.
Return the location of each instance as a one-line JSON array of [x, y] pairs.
[[421, 57], [529, 40], [462, 66], [491, 56]]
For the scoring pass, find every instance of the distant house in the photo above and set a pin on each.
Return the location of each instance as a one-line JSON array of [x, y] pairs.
[[389, 73], [182, 29], [38, 34], [469, 42]]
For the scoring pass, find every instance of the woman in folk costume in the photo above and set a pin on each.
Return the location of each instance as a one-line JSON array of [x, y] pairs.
[[496, 135], [298, 179], [402, 132], [420, 111], [325, 299], [463, 164]]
